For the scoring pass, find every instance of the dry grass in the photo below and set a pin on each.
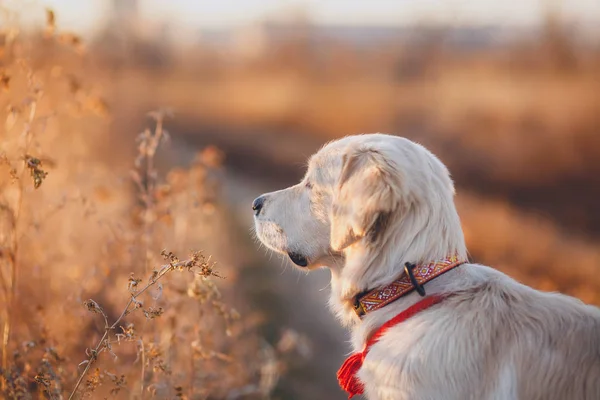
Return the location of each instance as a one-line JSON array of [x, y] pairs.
[[79, 221]]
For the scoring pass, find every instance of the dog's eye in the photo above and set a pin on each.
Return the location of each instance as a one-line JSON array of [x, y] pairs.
[[308, 185]]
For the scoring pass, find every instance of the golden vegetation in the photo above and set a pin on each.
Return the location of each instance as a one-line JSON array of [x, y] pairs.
[[81, 233]]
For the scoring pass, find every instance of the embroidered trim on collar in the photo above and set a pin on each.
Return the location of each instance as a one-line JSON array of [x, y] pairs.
[[378, 298]]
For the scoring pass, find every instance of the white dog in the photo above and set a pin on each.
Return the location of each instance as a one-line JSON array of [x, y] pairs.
[[378, 210]]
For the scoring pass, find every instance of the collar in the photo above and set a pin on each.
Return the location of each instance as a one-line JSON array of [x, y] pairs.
[[414, 278], [347, 374]]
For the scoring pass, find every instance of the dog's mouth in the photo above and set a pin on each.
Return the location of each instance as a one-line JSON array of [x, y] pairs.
[[298, 259]]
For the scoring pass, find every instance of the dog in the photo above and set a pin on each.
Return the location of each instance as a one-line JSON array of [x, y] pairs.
[[378, 210]]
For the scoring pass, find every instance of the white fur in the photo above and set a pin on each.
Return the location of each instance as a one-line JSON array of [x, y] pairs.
[[370, 203]]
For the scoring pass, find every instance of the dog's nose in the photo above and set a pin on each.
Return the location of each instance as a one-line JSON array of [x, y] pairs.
[[257, 204]]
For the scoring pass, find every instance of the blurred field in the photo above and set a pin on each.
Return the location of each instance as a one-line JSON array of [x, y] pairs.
[[517, 122]]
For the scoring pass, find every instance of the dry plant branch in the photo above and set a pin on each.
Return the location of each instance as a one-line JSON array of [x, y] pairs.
[[197, 263], [34, 166], [145, 175]]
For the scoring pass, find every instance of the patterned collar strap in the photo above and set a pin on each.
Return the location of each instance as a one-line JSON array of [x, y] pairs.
[[414, 278]]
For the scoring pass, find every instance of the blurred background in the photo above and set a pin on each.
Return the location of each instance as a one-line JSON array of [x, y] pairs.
[[507, 94]]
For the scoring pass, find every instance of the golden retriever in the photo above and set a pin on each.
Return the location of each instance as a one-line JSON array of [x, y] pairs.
[[370, 203]]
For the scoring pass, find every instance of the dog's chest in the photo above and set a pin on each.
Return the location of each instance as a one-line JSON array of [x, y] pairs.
[[409, 362]]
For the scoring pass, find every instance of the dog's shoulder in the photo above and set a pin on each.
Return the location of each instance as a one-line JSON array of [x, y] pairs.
[[493, 326]]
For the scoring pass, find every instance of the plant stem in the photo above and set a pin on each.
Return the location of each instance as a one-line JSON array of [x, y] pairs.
[[13, 254], [102, 345]]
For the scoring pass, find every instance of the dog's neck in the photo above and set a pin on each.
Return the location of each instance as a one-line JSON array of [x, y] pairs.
[[437, 234], [414, 278]]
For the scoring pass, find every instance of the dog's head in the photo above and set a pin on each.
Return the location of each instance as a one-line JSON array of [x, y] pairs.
[[362, 193]]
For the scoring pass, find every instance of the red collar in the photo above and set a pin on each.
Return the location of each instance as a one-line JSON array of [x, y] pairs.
[[414, 278], [347, 373]]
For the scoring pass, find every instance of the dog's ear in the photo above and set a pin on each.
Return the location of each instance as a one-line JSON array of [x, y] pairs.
[[364, 198]]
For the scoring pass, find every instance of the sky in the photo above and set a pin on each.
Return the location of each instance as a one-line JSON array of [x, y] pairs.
[[87, 15]]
